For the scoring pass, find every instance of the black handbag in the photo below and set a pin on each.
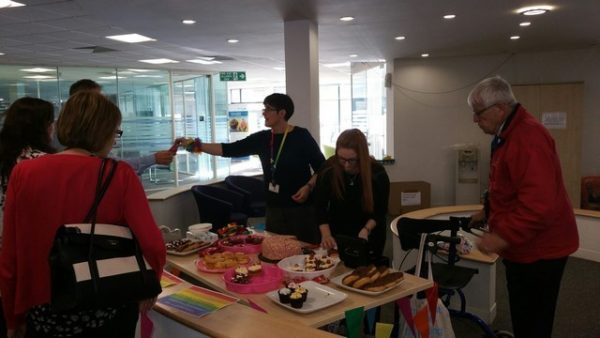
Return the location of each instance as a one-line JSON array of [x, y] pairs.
[[98, 265]]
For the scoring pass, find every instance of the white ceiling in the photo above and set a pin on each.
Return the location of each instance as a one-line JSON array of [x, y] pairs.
[[50, 32]]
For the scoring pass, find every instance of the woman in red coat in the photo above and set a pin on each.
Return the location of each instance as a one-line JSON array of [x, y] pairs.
[[59, 189]]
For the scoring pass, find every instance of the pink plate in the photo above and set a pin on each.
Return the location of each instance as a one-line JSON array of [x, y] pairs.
[[241, 247], [269, 279]]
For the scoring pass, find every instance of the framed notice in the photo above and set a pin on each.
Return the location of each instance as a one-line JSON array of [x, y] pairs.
[[410, 198]]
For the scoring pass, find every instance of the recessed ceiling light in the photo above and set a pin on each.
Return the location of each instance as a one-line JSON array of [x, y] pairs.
[[346, 18], [38, 70], [525, 24], [352, 55], [233, 40], [279, 68], [401, 37], [159, 61], [148, 75], [112, 77], [1, 54], [534, 10], [335, 65], [188, 22], [425, 55], [38, 77], [515, 37], [8, 4], [204, 62], [130, 38], [449, 16]]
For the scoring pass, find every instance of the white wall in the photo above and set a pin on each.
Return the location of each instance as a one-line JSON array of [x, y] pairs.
[[431, 115]]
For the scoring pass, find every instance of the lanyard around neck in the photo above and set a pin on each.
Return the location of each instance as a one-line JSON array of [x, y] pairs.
[[274, 163]]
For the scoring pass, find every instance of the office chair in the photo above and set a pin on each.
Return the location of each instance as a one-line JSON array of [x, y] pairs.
[[253, 189], [451, 279], [219, 206]]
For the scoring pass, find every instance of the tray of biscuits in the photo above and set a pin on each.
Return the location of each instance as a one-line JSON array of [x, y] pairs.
[[370, 280], [219, 262], [185, 246]]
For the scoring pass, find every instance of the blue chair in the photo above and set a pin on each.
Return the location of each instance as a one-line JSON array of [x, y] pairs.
[[219, 206], [253, 189]]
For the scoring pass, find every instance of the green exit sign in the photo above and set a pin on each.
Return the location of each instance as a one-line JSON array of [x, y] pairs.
[[232, 76]]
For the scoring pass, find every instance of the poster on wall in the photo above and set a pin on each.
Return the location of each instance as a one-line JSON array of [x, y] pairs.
[[238, 127], [555, 120]]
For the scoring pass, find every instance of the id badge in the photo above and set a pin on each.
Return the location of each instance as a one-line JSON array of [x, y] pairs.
[[274, 187]]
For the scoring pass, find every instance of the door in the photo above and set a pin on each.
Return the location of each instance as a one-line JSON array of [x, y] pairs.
[[561, 107]]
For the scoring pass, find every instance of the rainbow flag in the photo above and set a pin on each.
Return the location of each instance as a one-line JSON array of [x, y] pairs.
[[197, 301], [167, 279]]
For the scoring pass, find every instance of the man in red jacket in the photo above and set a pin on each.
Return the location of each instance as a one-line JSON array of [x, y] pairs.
[[530, 217]]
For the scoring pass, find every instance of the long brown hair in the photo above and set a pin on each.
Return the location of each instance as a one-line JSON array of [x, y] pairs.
[[354, 139]]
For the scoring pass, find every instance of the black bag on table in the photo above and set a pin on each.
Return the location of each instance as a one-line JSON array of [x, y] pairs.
[[97, 265]]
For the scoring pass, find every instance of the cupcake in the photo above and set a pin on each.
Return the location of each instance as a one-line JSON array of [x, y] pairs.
[[296, 300], [240, 270], [293, 286], [255, 269], [284, 295], [302, 291]]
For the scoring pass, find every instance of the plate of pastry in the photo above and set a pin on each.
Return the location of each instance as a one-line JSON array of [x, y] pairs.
[[370, 280], [306, 297], [221, 261], [185, 246]]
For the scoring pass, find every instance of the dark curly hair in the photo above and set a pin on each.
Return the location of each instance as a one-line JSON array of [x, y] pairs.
[[26, 124]]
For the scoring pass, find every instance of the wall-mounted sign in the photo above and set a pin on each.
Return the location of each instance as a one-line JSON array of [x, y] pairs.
[[555, 120], [232, 76]]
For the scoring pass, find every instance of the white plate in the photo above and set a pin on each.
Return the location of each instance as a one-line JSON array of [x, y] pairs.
[[319, 297], [338, 281], [287, 263]]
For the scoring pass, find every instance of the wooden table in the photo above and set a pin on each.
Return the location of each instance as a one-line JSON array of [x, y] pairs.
[[409, 286], [236, 320]]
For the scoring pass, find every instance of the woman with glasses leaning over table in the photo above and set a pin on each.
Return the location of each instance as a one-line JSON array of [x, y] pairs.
[[352, 194], [59, 189]]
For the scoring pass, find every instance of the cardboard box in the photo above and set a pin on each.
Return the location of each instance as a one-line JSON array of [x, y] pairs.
[[409, 196]]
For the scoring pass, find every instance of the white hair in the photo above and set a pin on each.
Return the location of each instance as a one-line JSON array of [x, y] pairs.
[[491, 91]]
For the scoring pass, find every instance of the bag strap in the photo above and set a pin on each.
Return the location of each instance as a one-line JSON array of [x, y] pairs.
[[101, 188]]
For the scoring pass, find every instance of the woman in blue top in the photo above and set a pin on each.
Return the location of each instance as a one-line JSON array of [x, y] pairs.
[[289, 156]]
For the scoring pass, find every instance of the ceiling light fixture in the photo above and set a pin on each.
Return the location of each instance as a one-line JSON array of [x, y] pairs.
[[279, 68], [204, 62], [534, 10], [525, 24], [2, 54], [37, 70], [130, 38], [233, 40], [400, 38], [188, 21], [8, 4], [515, 37], [346, 18], [449, 16], [158, 61], [425, 55], [352, 55], [38, 77], [336, 65]]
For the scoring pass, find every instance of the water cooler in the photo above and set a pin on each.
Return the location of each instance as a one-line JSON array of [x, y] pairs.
[[467, 184]]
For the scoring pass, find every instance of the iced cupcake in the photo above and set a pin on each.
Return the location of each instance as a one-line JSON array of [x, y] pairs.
[[296, 300], [302, 291], [284, 295]]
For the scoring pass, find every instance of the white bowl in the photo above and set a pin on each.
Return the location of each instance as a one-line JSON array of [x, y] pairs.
[[200, 227], [287, 263]]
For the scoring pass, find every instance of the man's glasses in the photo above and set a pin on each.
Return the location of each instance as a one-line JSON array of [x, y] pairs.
[[118, 133], [350, 161], [481, 111]]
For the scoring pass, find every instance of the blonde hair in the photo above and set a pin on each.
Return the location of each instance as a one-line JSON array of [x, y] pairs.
[[88, 120]]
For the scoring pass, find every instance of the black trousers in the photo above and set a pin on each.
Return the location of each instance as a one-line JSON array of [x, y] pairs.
[[533, 291]]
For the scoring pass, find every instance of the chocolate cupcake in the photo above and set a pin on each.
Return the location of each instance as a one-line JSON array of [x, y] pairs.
[[303, 292], [284, 295], [296, 300]]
